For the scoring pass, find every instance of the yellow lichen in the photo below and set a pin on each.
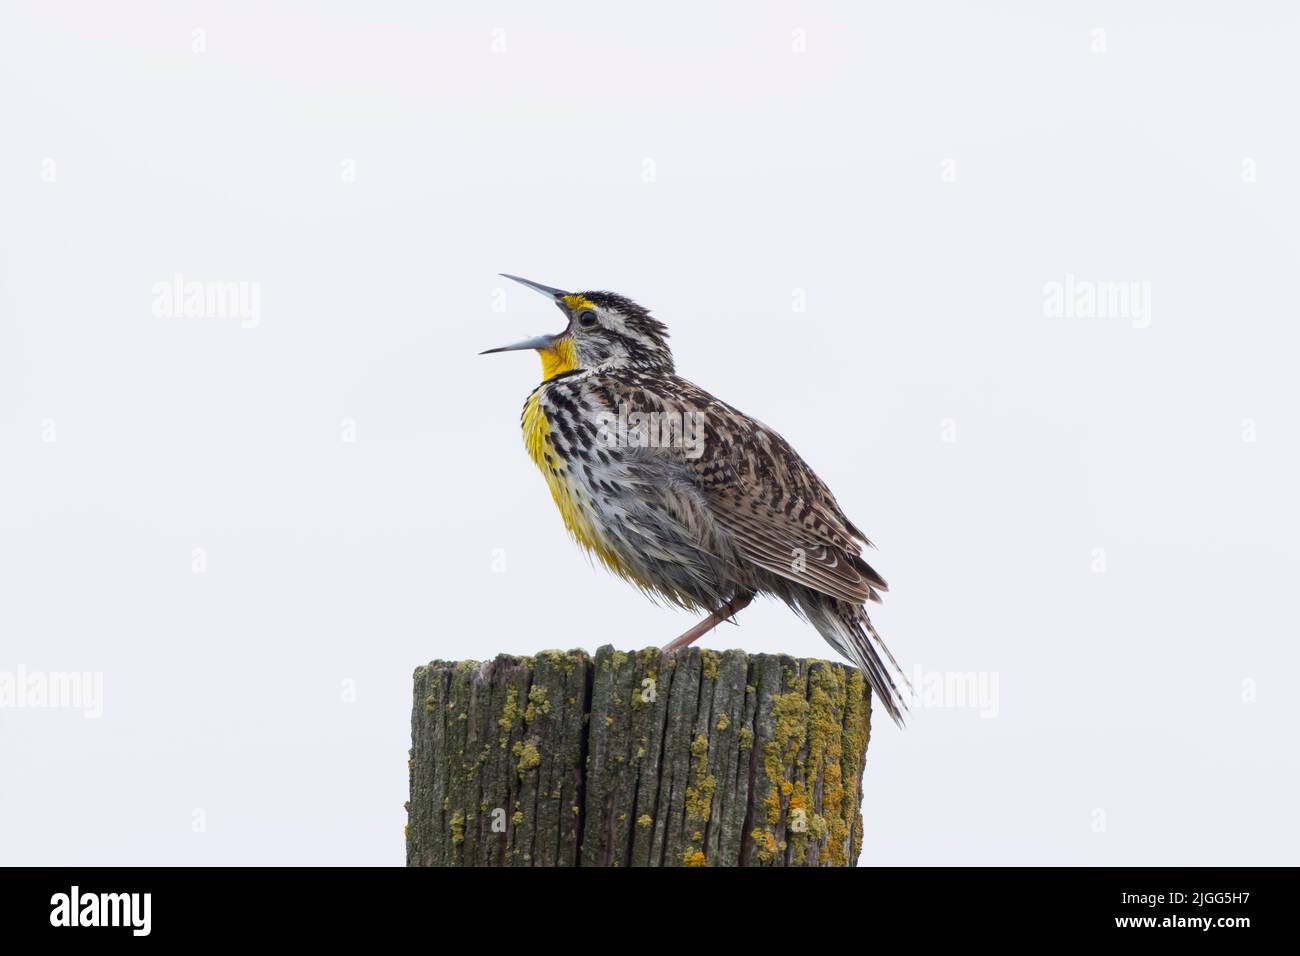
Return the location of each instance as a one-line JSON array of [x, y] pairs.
[[790, 714], [825, 749], [644, 820], [855, 735], [528, 754], [699, 792], [764, 845], [709, 663], [694, 858], [510, 712], [561, 661], [537, 705]]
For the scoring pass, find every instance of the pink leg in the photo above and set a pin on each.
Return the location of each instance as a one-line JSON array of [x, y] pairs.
[[709, 623]]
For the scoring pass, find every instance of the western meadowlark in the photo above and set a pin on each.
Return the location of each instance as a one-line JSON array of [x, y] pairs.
[[686, 497]]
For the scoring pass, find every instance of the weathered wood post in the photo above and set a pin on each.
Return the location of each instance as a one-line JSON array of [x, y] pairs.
[[693, 758]]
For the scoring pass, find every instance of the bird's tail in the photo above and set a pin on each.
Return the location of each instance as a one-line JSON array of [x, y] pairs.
[[848, 629]]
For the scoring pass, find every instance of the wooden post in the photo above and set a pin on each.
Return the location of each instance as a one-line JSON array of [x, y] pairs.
[[691, 758]]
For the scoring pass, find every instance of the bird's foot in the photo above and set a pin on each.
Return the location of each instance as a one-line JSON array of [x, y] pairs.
[[709, 623]]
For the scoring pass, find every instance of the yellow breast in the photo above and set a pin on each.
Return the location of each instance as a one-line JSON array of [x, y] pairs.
[[570, 497]]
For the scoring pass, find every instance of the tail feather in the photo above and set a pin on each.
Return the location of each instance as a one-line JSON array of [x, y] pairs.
[[848, 629]]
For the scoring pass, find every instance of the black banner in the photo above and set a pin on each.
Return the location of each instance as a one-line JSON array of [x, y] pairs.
[[1167, 906]]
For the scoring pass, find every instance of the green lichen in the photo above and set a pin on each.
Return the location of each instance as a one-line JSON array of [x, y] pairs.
[[457, 827], [723, 722]]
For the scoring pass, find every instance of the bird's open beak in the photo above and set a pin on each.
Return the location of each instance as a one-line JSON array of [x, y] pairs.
[[539, 342], [536, 342], [555, 294]]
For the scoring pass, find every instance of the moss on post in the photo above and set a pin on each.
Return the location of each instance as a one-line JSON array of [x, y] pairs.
[[695, 758]]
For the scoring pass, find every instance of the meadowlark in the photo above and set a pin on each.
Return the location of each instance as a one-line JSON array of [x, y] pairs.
[[691, 500]]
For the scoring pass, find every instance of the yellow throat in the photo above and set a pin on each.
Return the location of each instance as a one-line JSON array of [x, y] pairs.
[[560, 358]]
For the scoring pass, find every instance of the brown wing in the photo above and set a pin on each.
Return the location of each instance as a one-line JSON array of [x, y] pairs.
[[780, 515]]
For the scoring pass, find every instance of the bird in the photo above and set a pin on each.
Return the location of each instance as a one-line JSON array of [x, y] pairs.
[[691, 500]]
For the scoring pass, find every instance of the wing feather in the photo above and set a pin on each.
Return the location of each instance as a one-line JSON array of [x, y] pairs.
[[772, 506]]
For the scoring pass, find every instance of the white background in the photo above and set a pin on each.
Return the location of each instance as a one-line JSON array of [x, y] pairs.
[[920, 172]]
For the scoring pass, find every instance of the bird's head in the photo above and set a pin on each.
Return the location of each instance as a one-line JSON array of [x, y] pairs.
[[604, 330]]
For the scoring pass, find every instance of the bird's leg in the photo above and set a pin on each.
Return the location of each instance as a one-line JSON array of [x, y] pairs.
[[710, 622]]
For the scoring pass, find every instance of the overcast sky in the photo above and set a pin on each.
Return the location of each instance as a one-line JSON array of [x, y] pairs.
[[1019, 286]]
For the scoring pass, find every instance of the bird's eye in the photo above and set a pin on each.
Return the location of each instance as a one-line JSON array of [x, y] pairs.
[[587, 319]]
